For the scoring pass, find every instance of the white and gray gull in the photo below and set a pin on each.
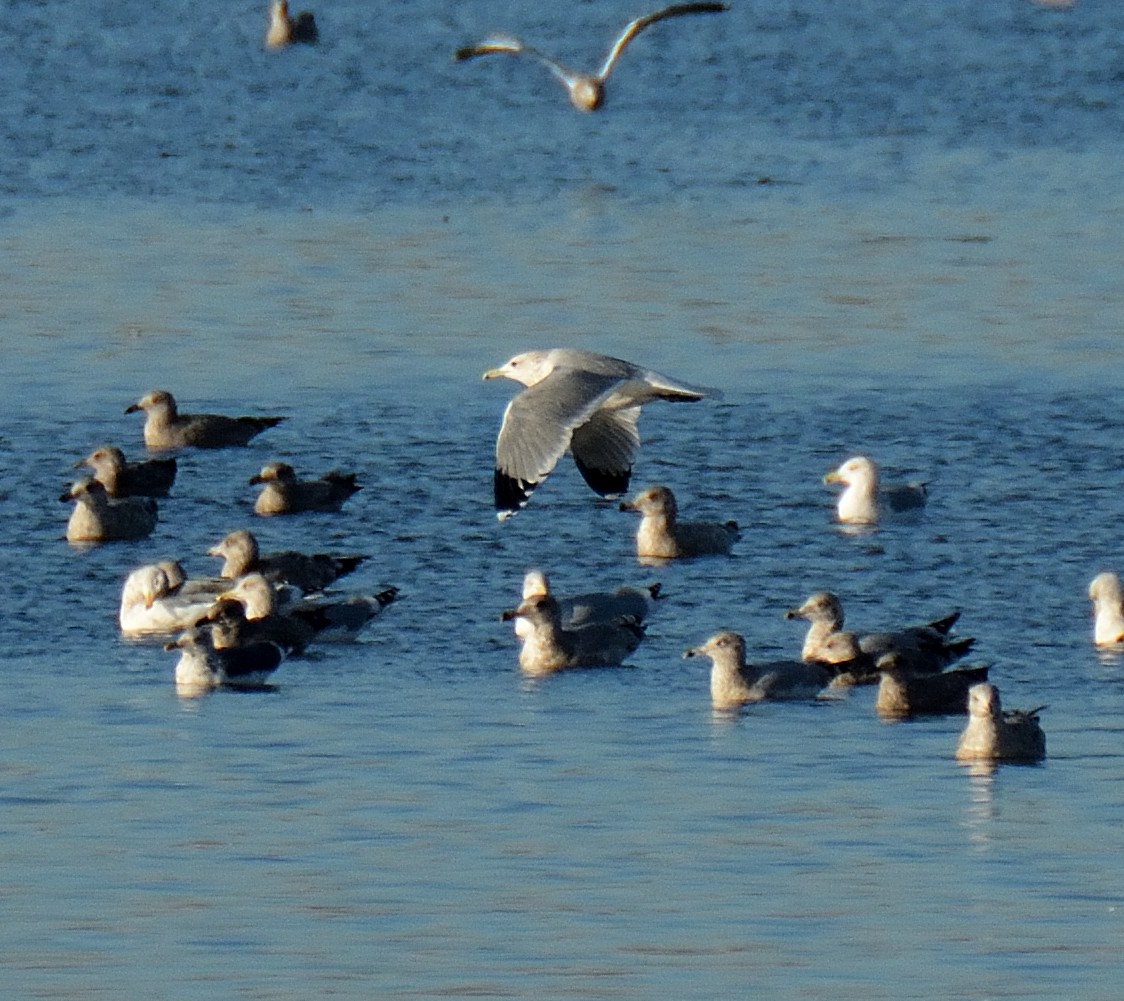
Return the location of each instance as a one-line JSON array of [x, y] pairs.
[[586, 90], [1107, 596], [577, 400]]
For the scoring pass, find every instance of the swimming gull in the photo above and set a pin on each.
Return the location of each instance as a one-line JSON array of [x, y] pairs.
[[587, 91], [922, 649], [285, 30], [202, 666], [866, 498], [995, 735], [99, 518], [902, 693], [592, 606], [1107, 597], [733, 682], [547, 646], [166, 428], [147, 478], [148, 606], [309, 572], [577, 400], [662, 536], [283, 493]]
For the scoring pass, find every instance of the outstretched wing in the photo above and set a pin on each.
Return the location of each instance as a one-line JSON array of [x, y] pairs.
[[508, 45], [604, 448], [635, 27]]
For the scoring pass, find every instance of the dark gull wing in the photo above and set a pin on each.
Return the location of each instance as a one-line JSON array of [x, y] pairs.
[[604, 448]]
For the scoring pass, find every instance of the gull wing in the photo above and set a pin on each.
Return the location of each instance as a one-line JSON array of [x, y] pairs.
[[635, 27], [514, 47], [604, 448]]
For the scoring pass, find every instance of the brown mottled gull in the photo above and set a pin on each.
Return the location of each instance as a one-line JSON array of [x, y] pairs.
[[586, 90], [995, 735], [99, 518], [166, 428], [309, 572], [866, 498], [147, 478], [580, 401], [662, 536], [902, 693], [203, 667], [1107, 597], [283, 493]]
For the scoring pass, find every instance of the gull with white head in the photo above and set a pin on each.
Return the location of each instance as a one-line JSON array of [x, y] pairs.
[[866, 498], [1107, 596]]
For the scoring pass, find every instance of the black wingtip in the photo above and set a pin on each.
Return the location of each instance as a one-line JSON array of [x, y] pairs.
[[511, 494], [606, 482]]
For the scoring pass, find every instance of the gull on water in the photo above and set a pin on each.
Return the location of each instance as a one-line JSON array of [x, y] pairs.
[[99, 518], [1107, 597], [166, 428], [308, 572], [866, 498], [586, 90], [662, 536], [202, 666], [577, 400], [593, 606], [995, 735], [283, 493], [733, 682], [149, 606], [902, 694], [285, 30], [147, 478], [548, 646], [922, 649]]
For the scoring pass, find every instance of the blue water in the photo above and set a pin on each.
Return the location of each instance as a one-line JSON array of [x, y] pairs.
[[888, 228]]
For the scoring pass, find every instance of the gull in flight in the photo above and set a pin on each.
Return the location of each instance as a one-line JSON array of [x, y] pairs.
[[587, 91]]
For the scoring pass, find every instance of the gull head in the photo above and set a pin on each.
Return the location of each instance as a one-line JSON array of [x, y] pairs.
[[529, 368], [859, 469]]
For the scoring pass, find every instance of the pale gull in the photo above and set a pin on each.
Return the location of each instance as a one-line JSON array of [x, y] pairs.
[[285, 30], [309, 572], [902, 694], [1107, 597], [283, 493], [166, 428], [733, 682], [148, 606], [592, 606], [587, 91], [866, 498], [662, 536], [99, 518], [577, 400], [922, 649], [547, 646], [147, 478], [203, 667], [995, 735]]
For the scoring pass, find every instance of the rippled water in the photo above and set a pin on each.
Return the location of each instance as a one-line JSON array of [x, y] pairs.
[[350, 235]]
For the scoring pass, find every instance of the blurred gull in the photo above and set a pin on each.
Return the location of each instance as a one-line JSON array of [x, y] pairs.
[[148, 606], [866, 498], [577, 400], [166, 428], [283, 493], [147, 478], [285, 30], [1107, 597], [202, 666], [309, 572], [662, 536], [995, 735], [733, 682], [98, 518], [547, 646], [587, 91]]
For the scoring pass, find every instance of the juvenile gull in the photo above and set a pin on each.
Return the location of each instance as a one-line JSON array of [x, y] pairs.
[[587, 91], [995, 735], [547, 646], [662, 536], [285, 30], [1107, 597], [577, 400], [283, 493], [923, 649], [866, 498], [309, 572], [202, 666], [147, 478], [733, 682], [98, 518], [902, 694], [166, 428], [593, 606], [148, 606]]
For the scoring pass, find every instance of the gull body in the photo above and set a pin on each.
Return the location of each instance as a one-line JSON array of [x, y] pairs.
[[1107, 596], [734, 683], [579, 401], [283, 493], [99, 518], [586, 90], [593, 606], [147, 478], [166, 428], [902, 694], [662, 536], [285, 30], [308, 572], [995, 735], [150, 608], [866, 498], [203, 667]]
